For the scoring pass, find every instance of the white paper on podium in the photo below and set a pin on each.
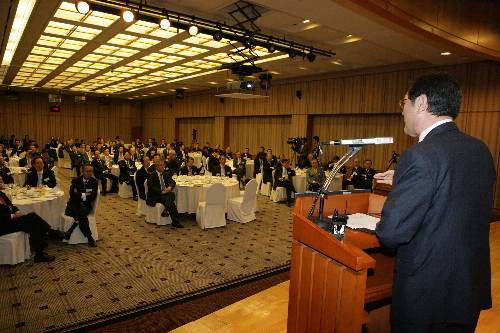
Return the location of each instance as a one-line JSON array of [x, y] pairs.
[[362, 221]]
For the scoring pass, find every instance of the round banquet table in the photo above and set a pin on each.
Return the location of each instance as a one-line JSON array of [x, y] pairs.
[[46, 202], [14, 161], [300, 183], [197, 159], [115, 169], [19, 175], [190, 190]]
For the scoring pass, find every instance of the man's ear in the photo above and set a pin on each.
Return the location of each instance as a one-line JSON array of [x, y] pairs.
[[421, 103]]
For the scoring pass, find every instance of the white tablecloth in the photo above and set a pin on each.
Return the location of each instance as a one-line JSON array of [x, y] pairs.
[[49, 205], [190, 190], [197, 159], [19, 175], [14, 161], [115, 169], [249, 168]]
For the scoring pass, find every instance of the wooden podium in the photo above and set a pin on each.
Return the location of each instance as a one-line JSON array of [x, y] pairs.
[[332, 280]]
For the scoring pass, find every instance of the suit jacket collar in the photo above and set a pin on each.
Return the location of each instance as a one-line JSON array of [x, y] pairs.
[[446, 127]]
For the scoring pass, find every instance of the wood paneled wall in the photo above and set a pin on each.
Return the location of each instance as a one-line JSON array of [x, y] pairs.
[[253, 132], [205, 127], [30, 115]]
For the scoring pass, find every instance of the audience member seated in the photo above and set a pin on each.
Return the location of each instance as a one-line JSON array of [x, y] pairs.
[[141, 176], [364, 179], [189, 169], [213, 161], [27, 160], [246, 155], [195, 147], [17, 149], [119, 155], [182, 154], [39, 176], [259, 161], [161, 190], [3, 153], [156, 158], [228, 153], [239, 168], [82, 194], [222, 169], [267, 169], [283, 177], [163, 144], [5, 173], [103, 173], [77, 159], [127, 170], [275, 160], [47, 160], [314, 177], [12, 220], [172, 164], [88, 155], [135, 156], [153, 149]]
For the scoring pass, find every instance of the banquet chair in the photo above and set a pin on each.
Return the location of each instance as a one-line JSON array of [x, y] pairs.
[[153, 214], [76, 236], [64, 162], [265, 188], [14, 248], [258, 178], [278, 194], [125, 190], [108, 185], [211, 213], [141, 204], [242, 209]]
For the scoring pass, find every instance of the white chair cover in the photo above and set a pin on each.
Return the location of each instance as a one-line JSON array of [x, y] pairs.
[[258, 178], [14, 248], [125, 190], [279, 194], [242, 209], [76, 236], [153, 214], [265, 188], [141, 203], [211, 213]]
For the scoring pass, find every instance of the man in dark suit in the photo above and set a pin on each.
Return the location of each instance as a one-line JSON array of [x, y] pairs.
[[88, 156], [213, 161], [17, 149], [267, 169], [40, 176], [27, 160], [259, 161], [437, 216], [127, 170], [102, 173], [119, 155], [189, 169], [172, 164], [12, 220], [76, 157], [141, 176], [239, 168], [246, 155], [82, 194], [156, 158], [47, 160], [222, 169], [283, 177], [161, 190], [5, 173], [364, 179]]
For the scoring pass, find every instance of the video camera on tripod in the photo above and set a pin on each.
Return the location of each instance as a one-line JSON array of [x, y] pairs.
[[295, 143]]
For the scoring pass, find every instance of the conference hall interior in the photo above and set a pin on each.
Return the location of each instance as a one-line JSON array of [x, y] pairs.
[[226, 165]]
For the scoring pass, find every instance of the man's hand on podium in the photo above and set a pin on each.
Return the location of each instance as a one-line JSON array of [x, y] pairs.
[[384, 177]]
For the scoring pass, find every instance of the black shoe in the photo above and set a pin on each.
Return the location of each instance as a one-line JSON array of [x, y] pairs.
[[56, 235], [177, 225], [43, 257], [164, 213], [92, 242], [135, 198]]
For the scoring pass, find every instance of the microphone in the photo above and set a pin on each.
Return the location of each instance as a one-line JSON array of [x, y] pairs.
[[359, 142]]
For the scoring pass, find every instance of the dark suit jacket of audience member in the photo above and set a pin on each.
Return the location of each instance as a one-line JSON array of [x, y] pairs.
[[116, 156], [76, 206], [152, 168], [48, 178], [217, 171], [212, 163], [194, 170], [268, 167], [17, 151], [126, 170], [76, 159], [24, 161], [140, 177], [99, 167], [173, 165], [5, 156], [5, 211], [278, 174], [364, 179], [154, 187], [49, 162], [240, 163], [6, 174], [246, 156], [437, 217]]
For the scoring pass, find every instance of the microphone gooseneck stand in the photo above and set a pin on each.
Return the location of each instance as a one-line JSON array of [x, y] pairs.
[[323, 191]]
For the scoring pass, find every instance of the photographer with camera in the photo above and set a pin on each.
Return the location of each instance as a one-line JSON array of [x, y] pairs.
[[299, 147]]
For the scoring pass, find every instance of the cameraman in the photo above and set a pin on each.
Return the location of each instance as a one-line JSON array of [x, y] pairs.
[[302, 154]]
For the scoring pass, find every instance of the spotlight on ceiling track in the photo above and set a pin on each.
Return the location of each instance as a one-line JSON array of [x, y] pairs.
[[164, 23], [128, 16], [193, 30], [311, 56], [248, 42], [292, 53], [271, 48], [217, 35], [82, 7]]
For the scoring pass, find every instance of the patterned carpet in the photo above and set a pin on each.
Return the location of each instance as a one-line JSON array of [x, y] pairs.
[[138, 265]]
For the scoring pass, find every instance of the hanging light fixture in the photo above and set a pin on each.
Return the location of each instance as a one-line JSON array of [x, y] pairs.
[[128, 16]]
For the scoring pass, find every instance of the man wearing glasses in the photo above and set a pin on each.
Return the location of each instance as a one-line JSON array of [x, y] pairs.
[[436, 216]]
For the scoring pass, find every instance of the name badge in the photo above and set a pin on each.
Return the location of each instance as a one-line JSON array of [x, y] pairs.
[[46, 179], [88, 190]]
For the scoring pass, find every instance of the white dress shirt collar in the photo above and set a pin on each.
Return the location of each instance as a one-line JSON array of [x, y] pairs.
[[426, 131]]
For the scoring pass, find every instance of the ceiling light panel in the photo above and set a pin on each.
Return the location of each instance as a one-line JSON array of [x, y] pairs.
[[201, 64]]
